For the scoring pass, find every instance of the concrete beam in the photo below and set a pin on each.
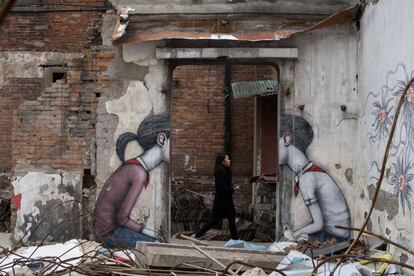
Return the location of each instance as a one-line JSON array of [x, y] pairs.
[[172, 255], [304, 7], [239, 53]]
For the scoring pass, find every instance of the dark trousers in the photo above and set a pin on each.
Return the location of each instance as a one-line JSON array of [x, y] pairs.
[[215, 222]]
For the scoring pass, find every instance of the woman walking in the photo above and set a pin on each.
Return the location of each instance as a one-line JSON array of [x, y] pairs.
[[223, 206]]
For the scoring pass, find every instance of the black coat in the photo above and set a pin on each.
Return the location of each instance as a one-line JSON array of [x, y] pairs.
[[223, 206]]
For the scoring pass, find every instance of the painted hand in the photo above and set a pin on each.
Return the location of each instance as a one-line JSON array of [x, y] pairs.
[[152, 233]]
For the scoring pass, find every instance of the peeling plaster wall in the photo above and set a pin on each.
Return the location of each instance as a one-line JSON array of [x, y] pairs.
[[138, 92], [46, 205], [386, 63], [322, 79], [25, 64], [21, 79]]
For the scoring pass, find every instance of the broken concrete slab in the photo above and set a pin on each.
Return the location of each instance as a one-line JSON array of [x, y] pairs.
[[172, 255]]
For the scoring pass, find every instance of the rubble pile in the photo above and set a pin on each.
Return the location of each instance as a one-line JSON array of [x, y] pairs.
[[264, 205], [361, 247], [199, 258], [188, 212]]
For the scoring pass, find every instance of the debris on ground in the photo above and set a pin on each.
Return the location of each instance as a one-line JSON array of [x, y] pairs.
[[49, 259], [235, 257]]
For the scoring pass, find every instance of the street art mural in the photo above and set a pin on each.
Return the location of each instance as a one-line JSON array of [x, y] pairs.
[[322, 196], [117, 198], [381, 109]]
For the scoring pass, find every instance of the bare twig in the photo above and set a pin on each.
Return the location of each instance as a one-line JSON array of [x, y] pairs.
[[379, 237], [212, 258], [348, 256], [192, 239]]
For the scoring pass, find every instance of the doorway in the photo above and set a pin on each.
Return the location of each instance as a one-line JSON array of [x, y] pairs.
[[207, 117]]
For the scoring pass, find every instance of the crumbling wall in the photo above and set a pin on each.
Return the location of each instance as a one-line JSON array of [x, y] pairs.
[[139, 92], [43, 26], [48, 127], [386, 64], [52, 145]]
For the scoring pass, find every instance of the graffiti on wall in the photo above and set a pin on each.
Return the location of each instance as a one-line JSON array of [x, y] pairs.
[[321, 194], [120, 192], [383, 103]]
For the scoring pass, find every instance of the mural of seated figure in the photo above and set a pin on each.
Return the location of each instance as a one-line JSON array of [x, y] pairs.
[[112, 222], [322, 196]]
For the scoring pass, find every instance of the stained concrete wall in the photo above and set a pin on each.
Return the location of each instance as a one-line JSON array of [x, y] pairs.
[[386, 63], [322, 79]]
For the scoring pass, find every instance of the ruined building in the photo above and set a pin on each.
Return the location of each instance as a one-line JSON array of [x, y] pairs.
[[75, 75]]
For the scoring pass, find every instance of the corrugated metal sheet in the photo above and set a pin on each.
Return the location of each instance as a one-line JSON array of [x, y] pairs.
[[254, 88]]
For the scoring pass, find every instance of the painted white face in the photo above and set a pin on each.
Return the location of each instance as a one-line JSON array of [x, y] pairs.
[[226, 162], [283, 151], [166, 151]]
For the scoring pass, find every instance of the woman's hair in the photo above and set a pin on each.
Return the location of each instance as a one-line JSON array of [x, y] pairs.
[[146, 135], [218, 166]]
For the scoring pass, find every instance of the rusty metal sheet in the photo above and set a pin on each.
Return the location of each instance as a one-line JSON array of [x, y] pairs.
[[225, 29]]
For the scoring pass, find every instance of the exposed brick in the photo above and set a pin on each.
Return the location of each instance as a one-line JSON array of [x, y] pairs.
[[63, 28], [198, 127]]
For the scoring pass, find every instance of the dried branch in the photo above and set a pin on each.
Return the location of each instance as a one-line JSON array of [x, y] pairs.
[[349, 256], [380, 237]]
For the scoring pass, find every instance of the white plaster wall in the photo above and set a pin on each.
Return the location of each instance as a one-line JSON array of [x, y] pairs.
[[324, 78], [386, 59]]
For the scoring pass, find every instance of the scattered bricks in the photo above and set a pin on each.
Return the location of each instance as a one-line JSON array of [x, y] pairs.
[[266, 216], [264, 206], [260, 235], [266, 199]]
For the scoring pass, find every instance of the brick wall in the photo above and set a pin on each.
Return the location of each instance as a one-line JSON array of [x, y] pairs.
[[13, 93], [198, 128], [55, 131], [61, 28], [197, 122], [50, 127], [242, 134]]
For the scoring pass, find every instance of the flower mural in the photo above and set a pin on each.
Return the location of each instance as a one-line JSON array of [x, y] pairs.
[[402, 151], [407, 110], [382, 117], [401, 179]]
